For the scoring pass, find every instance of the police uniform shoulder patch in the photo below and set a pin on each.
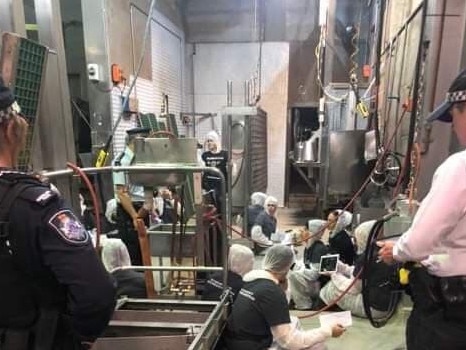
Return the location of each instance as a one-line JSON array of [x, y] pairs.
[[41, 195], [69, 227]]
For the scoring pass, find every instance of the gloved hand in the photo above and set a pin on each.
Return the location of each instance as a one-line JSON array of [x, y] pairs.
[[344, 269]]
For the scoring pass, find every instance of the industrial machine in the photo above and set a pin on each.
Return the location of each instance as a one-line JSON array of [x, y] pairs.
[[164, 324], [245, 136], [183, 322]]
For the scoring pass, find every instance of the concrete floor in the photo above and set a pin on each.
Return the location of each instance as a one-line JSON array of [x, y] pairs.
[[361, 335]]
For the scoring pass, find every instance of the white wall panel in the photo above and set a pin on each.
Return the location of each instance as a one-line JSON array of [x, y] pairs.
[[167, 77], [167, 69], [214, 64]]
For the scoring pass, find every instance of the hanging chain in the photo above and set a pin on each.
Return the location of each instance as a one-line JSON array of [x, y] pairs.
[[415, 156]]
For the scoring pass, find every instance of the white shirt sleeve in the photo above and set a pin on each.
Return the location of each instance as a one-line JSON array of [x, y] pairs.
[[438, 214], [258, 236], [291, 338]]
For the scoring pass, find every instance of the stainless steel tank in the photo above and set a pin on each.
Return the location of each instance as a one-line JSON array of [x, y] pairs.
[[163, 151], [347, 166]]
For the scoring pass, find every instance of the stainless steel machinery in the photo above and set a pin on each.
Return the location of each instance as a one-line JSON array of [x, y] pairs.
[[164, 324], [245, 137], [168, 322]]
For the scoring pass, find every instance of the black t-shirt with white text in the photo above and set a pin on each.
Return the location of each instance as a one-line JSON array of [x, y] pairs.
[[218, 160], [260, 305]]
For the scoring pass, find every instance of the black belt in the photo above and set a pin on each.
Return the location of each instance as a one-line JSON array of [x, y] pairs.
[[445, 291]]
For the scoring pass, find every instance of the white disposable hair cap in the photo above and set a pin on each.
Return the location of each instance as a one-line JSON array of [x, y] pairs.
[[111, 210], [344, 220], [279, 259], [361, 233], [270, 200], [258, 198], [316, 226], [240, 259], [212, 135], [115, 254]]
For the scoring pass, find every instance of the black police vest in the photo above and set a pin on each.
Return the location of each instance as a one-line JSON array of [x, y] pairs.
[[19, 302]]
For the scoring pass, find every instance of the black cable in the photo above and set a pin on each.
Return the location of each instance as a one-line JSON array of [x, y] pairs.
[[370, 257]]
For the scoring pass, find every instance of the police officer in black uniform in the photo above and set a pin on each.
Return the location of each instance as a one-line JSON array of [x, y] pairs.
[[54, 291]]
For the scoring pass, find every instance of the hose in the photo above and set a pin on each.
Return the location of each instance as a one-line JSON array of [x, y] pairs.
[[95, 201], [370, 256]]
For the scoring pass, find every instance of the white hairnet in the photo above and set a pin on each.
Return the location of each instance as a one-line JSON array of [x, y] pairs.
[[278, 259], [111, 210], [316, 226], [258, 198], [361, 233], [270, 200], [115, 254], [344, 220], [212, 135], [240, 259]]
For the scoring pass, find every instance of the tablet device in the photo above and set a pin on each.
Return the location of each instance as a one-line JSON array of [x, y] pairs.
[[328, 263]]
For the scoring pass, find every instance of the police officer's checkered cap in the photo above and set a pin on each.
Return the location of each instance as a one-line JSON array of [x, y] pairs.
[[457, 90], [456, 94]]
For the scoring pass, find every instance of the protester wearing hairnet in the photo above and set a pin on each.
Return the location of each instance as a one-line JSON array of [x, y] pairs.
[[256, 207], [266, 223], [339, 240], [260, 313], [111, 210], [214, 156], [345, 275], [240, 262], [129, 283], [305, 281]]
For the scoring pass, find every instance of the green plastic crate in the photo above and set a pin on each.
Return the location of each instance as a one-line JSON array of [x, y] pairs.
[[31, 58]]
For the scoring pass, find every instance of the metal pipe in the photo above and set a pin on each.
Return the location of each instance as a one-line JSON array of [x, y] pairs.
[[397, 114], [193, 88], [438, 50], [229, 93], [246, 93], [170, 268], [412, 122], [375, 116]]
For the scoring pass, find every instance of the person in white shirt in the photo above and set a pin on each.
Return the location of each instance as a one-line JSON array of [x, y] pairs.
[[436, 243]]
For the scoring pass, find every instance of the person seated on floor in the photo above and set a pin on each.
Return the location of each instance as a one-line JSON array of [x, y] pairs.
[[345, 275], [339, 239], [240, 262], [256, 207], [130, 283], [266, 223], [305, 280], [165, 205], [260, 313]]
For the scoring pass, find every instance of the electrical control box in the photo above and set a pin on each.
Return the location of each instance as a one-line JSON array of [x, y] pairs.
[[93, 72]]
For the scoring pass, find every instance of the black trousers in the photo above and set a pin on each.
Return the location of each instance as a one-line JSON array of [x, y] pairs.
[[430, 325], [128, 234]]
